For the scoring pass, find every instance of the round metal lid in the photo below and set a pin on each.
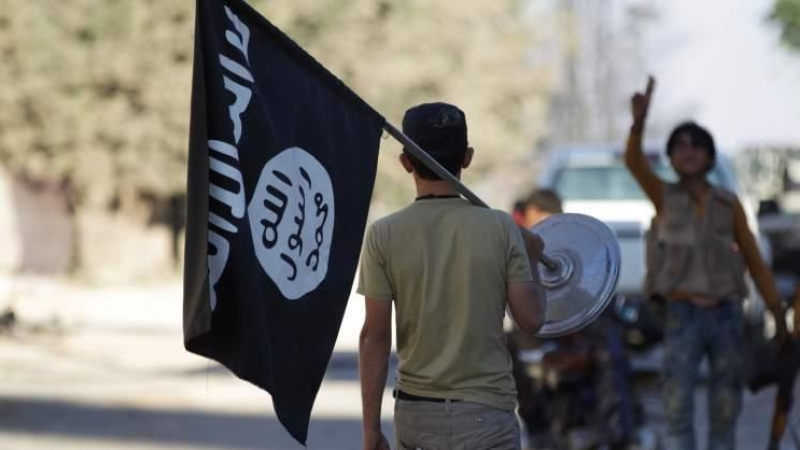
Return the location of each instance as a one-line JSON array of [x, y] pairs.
[[584, 283]]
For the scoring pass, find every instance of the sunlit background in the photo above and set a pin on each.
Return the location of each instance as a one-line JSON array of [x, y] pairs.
[[94, 110]]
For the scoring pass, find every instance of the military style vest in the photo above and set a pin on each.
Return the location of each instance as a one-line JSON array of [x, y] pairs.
[[695, 255]]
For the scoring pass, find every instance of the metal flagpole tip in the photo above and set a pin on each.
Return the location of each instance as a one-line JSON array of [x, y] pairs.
[[582, 285]]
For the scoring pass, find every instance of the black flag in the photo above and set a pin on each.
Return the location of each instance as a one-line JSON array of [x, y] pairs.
[[282, 160]]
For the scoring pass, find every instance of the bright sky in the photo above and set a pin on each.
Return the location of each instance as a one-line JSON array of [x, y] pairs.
[[721, 65]]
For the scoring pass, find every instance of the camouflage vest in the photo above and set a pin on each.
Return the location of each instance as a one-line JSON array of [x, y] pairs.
[[697, 255]]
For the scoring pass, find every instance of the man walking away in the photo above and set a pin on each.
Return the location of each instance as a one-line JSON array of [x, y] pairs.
[[450, 268]]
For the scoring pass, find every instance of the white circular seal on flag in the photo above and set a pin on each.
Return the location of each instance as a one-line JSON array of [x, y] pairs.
[[291, 220]]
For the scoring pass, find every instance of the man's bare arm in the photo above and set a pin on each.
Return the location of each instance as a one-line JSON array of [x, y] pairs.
[[373, 353], [527, 300], [761, 273], [635, 159]]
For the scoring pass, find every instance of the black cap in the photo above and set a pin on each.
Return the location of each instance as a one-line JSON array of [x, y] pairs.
[[436, 127]]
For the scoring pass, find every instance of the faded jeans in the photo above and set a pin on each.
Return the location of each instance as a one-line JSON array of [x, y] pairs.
[[454, 426], [691, 333]]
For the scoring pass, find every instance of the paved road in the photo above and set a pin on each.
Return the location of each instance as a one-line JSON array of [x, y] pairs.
[[114, 375]]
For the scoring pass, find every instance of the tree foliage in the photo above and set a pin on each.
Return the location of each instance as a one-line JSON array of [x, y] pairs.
[[96, 92], [478, 55], [786, 13]]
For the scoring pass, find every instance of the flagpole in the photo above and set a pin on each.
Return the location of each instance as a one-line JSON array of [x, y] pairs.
[[445, 175]]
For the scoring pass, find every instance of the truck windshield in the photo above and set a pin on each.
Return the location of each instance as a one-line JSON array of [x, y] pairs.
[[611, 182]]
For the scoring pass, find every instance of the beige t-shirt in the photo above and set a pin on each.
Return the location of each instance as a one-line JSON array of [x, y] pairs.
[[446, 263]]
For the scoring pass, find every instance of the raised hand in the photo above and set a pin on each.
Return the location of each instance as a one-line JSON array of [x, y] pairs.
[[640, 103]]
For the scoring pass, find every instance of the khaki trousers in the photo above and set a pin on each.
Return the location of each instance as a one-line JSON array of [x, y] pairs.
[[421, 425]]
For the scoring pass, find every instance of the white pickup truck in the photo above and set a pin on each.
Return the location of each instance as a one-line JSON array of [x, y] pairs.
[[593, 180]]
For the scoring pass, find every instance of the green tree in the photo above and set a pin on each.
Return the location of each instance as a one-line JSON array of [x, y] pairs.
[[786, 13], [96, 96], [96, 92], [482, 56]]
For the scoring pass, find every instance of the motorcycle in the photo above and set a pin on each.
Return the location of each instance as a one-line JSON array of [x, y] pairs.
[[579, 393]]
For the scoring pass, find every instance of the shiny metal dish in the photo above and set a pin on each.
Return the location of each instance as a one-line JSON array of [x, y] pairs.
[[584, 282]]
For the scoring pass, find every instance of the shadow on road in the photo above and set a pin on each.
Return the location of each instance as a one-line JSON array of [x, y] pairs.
[[66, 419]]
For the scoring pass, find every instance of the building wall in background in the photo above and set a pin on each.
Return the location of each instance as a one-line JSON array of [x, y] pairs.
[[38, 238]]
